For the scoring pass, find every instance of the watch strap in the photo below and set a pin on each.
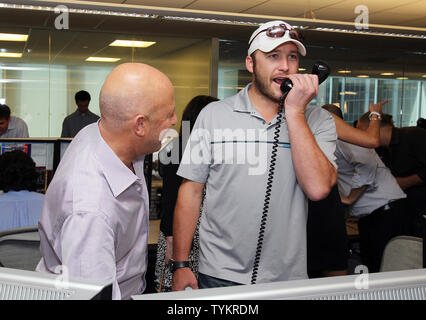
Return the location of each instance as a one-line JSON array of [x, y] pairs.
[[174, 265]]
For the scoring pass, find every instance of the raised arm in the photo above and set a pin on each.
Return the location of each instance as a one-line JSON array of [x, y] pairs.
[[369, 138], [186, 216], [315, 174]]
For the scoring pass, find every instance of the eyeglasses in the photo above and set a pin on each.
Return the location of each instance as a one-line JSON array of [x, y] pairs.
[[278, 32]]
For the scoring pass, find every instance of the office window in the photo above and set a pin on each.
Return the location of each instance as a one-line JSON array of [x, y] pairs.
[[39, 86], [358, 77]]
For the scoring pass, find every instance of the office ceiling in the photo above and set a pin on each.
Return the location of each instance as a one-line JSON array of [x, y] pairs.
[[90, 34], [388, 12]]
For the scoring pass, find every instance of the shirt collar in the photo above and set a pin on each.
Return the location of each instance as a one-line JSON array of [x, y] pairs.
[[81, 114], [243, 104], [117, 174]]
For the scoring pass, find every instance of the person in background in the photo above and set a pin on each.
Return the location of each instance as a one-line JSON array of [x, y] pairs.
[[10, 126], [421, 123], [374, 196], [20, 205], [403, 151], [95, 218], [327, 241], [171, 184], [80, 118]]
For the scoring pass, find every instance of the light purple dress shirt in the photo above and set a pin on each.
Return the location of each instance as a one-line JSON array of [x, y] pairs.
[[95, 217]]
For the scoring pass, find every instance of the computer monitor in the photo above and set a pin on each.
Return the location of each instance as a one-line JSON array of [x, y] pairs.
[[42, 151], [31, 285], [395, 285], [63, 145]]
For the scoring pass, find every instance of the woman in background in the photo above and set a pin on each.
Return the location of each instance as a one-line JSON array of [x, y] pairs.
[[171, 184]]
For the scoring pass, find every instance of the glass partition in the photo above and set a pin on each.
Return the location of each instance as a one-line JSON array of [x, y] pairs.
[[39, 86], [359, 77]]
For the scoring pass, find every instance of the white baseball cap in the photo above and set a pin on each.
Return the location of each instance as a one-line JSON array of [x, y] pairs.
[[259, 40]]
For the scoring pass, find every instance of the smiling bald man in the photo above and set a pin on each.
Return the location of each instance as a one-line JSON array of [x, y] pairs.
[[95, 219]]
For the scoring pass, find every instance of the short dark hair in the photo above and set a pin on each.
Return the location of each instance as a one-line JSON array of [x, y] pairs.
[[4, 112], [421, 122], [332, 108], [82, 96], [17, 171]]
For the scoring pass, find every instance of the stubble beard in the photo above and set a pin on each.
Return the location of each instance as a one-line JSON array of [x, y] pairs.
[[263, 87]]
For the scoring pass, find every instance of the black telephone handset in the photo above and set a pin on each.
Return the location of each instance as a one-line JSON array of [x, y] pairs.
[[322, 70]]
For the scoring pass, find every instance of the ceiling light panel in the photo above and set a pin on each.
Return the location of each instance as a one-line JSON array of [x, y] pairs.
[[13, 37], [102, 59], [132, 43]]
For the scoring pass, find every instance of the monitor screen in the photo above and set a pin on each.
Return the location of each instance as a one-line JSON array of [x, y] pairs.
[[42, 153], [30, 285], [395, 285], [64, 143]]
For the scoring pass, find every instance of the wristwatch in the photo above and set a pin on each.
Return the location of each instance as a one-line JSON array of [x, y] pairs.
[[374, 113], [174, 265]]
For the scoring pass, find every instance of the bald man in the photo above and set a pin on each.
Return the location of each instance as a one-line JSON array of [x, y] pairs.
[[95, 219]]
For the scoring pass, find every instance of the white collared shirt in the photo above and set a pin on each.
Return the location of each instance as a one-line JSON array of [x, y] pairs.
[[95, 217], [357, 167], [17, 128]]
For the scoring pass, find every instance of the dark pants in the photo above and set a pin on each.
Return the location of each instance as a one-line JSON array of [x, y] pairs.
[[376, 229], [205, 282]]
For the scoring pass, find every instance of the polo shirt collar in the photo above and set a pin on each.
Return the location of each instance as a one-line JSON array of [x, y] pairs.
[[243, 104], [118, 176]]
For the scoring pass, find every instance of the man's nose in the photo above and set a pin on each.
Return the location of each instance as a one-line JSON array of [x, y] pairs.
[[283, 64]]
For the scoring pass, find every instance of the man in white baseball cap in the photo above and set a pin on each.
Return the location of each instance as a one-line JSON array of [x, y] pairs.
[[232, 210]]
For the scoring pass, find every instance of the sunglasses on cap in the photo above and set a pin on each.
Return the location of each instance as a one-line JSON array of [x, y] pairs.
[[278, 32]]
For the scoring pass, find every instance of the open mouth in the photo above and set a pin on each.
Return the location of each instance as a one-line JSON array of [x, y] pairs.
[[279, 80]]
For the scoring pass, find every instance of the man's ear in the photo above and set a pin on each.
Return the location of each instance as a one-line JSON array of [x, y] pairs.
[[140, 125], [249, 64]]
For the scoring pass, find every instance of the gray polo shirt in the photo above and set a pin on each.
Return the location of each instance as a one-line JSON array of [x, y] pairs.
[[17, 128], [76, 121], [360, 166], [229, 150]]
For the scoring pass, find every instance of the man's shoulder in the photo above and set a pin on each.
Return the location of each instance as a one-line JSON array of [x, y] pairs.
[[317, 113], [71, 116], [318, 118], [217, 110], [92, 115], [16, 121]]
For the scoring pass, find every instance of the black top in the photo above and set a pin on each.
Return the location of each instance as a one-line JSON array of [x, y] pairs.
[[171, 184], [405, 156]]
